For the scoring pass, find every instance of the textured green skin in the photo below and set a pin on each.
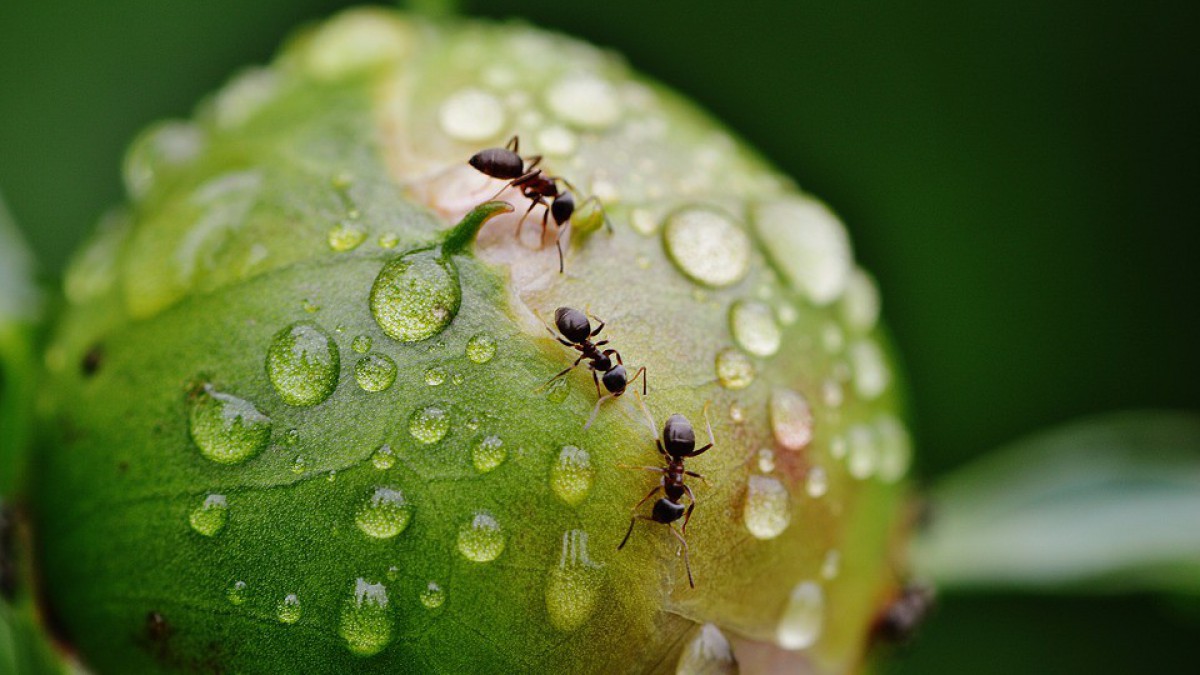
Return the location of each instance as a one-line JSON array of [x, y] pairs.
[[118, 474]]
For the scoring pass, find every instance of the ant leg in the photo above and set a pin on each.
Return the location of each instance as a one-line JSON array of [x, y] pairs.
[[647, 497], [600, 343], [558, 245], [555, 335], [521, 224], [596, 381], [500, 191], [711, 441], [596, 411], [691, 507], [628, 532], [693, 474], [562, 372], [533, 162], [655, 469], [641, 372], [686, 564], [598, 328], [514, 144], [614, 353]]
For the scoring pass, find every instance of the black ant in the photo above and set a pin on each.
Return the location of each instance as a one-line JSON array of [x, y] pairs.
[[535, 185], [577, 333], [677, 443], [899, 621]]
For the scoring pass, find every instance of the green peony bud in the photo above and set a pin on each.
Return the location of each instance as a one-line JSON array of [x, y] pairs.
[[296, 413]]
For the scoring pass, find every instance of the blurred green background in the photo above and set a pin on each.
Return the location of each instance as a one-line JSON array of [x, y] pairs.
[[1020, 176]]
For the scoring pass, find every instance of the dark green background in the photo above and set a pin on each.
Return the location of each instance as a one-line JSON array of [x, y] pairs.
[[1021, 176]]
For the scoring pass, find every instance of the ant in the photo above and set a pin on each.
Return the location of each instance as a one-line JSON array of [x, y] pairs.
[[898, 622], [577, 333], [677, 443], [535, 185]]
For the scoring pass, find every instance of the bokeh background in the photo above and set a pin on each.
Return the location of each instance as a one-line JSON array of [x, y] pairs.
[[1022, 177]]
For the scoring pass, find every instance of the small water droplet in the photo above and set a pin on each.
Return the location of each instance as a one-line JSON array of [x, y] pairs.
[[832, 338], [871, 374], [787, 314], [488, 453], [383, 458], [767, 512], [429, 424], [708, 653], [860, 303], [393, 572], [809, 244], [791, 418], [375, 372], [557, 391], [365, 625], [737, 414], [571, 476], [895, 448], [708, 246], [415, 296], [754, 328], [481, 348], [435, 376], [290, 438], [734, 369], [210, 517], [863, 457], [289, 609], [361, 344], [816, 483], [346, 236], [309, 306], [831, 393], [471, 115], [331, 477], [227, 429], [831, 565], [557, 141], [480, 539], [433, 596], [388, 240], [766, 460], [837, 447], [236, 593], [162, 148], [574, 584], [803, 617], [303, 363], [299, 465], [585, 101], [384, 514], [644, 222]]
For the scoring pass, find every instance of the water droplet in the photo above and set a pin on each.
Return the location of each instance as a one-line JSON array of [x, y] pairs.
[[164, 147], [309, 306], [471, 115], [481, 348], [388, 240], [236, 593], [708, 246], [644, 222], [767, 512], [816, 483], [303, 364], [433, 596], [384, 514], [791, 418], [435, 376], [289, 610], [766, 460], [375, 372], [574, 585], [556, 141], [488, 453], [831, 565], [383, 458], [210, 517], [346, 236], [365, 623], [809, 244], [734, 369], [227, 429], [331, 477], [361, 344], [429, 424], [837, 447], [737, 414], [832, 338], [787, 314], [863, 457], [708, 653], [415, 296], [480, 539], [584, 101], [803, 617], [557, 391], [831, 393], [895, 448], [754, 328], [571, 476], [860, 303], [871, 374]]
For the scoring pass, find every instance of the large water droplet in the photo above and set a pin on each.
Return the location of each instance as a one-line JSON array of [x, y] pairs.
[[871, 374], [571, 476], [415, 296], [471, 115], [754, 328], [375, 372], [346, 236], [210, 517], [895, 448], [384, 514], [383, 458], [574, 585], [734, 369], [809, 244], [433, 596], [767, 512], [488, 453], [584, 101], [289, 610], [227, 429], [708, 653], [303, 364], [429, 424], [236, 593], [707, 245], [803, 617], [791, 418], [480, 539], [365, 623], [481, 348], [816, 483], [862, 457]]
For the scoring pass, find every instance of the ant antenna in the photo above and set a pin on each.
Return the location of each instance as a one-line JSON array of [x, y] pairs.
[[646, 412], [596, 410]]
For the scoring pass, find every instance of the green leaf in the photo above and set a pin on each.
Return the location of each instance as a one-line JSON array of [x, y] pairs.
[[20, 304], [1106, 504]]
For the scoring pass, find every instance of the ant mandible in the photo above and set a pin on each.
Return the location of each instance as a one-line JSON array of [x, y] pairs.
[[535, 185], [677, 443], [577, 333]]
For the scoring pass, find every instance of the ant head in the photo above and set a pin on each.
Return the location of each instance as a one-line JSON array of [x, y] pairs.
[[498, 163], [573, 324], [615, 379], [563, 207], [678, 436]]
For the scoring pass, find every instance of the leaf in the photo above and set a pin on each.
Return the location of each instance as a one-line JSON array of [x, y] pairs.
[[1109, 504], [20, 304]]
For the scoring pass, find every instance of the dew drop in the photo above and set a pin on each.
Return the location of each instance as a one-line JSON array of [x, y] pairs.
[[236, 593], [708, 653], [837, 447], [346, 236], [584, 101], [383, 458], [299, 465], [809, 244], [707, 245], [895, 448], [557, 391], [644, 222], [471, 115], [435, 376], [303, 364], [415, 296], [791, 418], [481, 348], [832, 338], [361, 344], [831, 393], [161, 149], [737, 414], [831, 565], [767, 512], [860, 303], [210, 517], [571, 476], [766, 460], [734, 369], [488, 453], [871, 374], [227, 429], [433, 596], [574, 584], [754, 328], [388, 240], [557, 141], [863, 452], [289, 610], [803, 617], [384, 514], [816, 483], [375, 372], [480, 539], [365, 624], [429, 424]]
